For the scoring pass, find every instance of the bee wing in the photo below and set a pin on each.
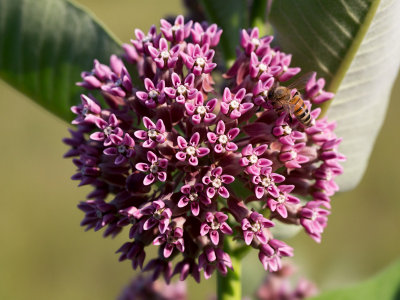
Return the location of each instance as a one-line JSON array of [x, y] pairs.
[[300, 83]]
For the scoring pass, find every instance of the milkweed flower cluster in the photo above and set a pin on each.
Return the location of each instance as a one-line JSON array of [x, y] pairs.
[[183, 167]]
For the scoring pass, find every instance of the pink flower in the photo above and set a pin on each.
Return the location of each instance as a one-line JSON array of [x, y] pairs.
[[314, 219], [109, 129], [172, 238], [157, 214], [191, 151], [154, 134], [181, 91], [271, 253], [215, 181], [314, 90], [178, 32], [232, 106], [265, 183], [163, 57], [206, 35], [286, 72], [214, 225], [156, 168], [213, 258], [254, 225], [251, 159], [284, 199], [193, 195], [200, 112], [286, 134], [291, 155], [223, 142], [252, 43], [123, 148], [88, 106], [199, 59], [143, 41], [261, 69], [154, 95], [260, 92]]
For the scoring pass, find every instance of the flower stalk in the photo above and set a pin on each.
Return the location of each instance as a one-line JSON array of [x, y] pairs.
[[229, 287]]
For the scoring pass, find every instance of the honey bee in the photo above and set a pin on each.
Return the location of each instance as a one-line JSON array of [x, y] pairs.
[[282, 99]]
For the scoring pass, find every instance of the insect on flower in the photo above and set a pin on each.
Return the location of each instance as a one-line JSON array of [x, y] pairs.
[[289, 99]]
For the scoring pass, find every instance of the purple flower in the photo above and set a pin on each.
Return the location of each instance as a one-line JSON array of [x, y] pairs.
[[120, 82], [88, 106], [284, 199], [286, 134], [157, 214], [314, 219], [133, 251], [251, 159], [154, 134], [265, 183], [252, 43], [271, 253], [291, 155], [185, 267], [214, 225], [154, 95], [206, 35], [213, 258], [163, 184], [260, 91], [160, 266], [178, 32], [155, 169], [123, 148], [199, 60], [143, 41], [254, 225], [98, 214], [215, 181], [284, 62], [223, 142], [163, 57], [172, 238], [108, 129], [262, 70], [191, 151], [200, 112], [181, 91], [314, 90], [193, 195], [94, 79], [233, 106]]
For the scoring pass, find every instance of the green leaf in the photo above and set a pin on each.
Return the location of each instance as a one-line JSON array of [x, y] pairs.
[[45, 44], [352, 44], [232, 17], [384, 286]]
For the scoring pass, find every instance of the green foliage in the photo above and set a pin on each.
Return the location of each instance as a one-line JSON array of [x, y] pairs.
[[45, 44], [384, 286], [350, 43], [231, 16]]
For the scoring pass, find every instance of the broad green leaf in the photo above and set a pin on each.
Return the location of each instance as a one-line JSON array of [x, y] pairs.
[[45, 44], [384, 286], [354, 45], [231, 16]]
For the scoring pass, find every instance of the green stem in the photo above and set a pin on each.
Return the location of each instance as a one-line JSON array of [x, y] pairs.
[[229, 287], [258, 15]]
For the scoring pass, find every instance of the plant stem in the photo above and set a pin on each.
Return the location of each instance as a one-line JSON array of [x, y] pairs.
[[258, 15], [229, 287]]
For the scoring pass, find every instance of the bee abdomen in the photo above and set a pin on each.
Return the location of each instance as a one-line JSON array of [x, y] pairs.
[[301, 112]]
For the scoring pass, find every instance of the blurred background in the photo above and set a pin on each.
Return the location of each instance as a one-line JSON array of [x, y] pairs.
[[45, 254]]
